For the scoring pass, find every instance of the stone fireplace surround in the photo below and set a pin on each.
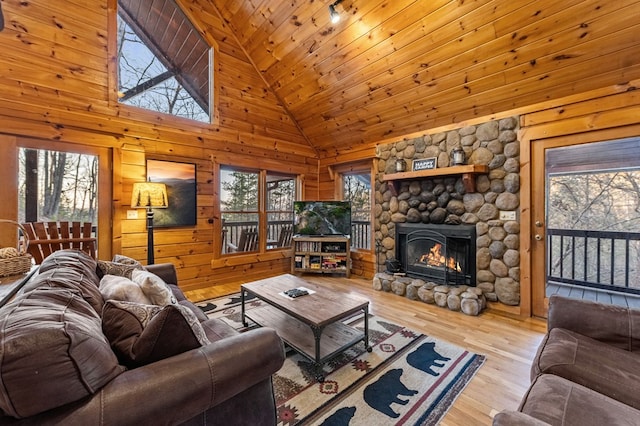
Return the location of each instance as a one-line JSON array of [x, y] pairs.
[[444, 200]]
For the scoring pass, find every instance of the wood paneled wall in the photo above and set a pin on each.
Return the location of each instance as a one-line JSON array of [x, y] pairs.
[[58, 72], [56, 85]]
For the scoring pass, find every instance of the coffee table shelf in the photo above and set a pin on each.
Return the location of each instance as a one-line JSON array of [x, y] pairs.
[[335, 338]]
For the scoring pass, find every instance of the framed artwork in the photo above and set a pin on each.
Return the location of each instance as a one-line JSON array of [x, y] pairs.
[[180, 179]]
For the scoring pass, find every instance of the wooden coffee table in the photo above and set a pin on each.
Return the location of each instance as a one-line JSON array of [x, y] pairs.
[[308, 324]]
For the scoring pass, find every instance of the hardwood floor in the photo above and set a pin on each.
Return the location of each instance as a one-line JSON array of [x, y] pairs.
[[509, 344]]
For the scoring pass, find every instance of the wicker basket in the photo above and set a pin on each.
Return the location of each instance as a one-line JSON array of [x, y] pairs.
[[19, 264]]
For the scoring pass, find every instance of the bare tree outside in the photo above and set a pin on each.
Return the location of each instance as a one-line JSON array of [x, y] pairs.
[[602, 201], [66, 186]]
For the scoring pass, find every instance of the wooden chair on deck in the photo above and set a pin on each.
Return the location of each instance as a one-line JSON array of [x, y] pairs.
[[284, 239], [248, 241], [47, 237]]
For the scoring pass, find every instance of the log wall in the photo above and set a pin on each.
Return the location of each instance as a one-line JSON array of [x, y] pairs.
[[56, 84]]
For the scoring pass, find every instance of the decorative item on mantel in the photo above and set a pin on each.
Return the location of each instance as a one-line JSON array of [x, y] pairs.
[[458, 156], [401, 165]]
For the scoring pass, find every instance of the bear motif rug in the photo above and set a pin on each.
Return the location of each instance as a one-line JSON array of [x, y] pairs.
[[409, 378]]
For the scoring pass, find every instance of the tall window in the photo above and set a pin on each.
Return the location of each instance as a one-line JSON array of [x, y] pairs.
[[57, 185], [247, 214], [239, 208], [357, 189], [280, 190], [163, 62]]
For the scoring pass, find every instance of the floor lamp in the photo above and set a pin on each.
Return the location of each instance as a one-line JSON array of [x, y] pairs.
[[149, 195]]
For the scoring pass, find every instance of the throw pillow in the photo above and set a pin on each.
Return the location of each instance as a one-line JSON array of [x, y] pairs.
[[114, 268], [53, 352], [141, 334], [121, 288], [153, 287], [118, 258]]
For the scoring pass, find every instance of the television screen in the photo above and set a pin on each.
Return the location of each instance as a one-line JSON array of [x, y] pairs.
[[322, 217]]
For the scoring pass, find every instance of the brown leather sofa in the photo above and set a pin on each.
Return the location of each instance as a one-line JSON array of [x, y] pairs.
[[57, 367], [586, 370]]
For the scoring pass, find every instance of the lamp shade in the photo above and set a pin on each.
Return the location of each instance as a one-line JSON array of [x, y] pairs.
[[149, 194]]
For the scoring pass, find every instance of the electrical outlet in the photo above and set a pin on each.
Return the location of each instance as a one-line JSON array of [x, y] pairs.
[[132, 214], [507, 215]]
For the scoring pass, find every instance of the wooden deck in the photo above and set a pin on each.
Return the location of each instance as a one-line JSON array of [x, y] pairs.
[[597, 295], [508, 343]]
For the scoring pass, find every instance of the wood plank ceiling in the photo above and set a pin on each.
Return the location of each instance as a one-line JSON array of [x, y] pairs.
[[393, 67]]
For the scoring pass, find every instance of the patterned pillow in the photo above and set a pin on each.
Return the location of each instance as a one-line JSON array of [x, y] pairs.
[[141, 334], [114, 268], [118, 258]]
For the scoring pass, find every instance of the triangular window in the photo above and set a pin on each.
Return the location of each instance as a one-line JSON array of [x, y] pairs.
[[164, 65]]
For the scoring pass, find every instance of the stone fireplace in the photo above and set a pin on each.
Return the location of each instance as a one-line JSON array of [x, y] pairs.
[[447, 201], [444, 254]]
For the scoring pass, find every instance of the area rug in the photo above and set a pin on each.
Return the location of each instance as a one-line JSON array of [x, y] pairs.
[[408, 379]]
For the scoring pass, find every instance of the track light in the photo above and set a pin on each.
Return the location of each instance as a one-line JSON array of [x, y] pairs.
[[333, 13]]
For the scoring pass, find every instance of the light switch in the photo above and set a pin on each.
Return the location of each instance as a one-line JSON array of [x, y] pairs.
[[507, 215]]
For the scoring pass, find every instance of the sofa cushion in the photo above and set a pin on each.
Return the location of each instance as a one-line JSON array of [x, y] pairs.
[[115, 287], [141, 334], [52, 352], [606, 369], [558, 401], [70, 269]]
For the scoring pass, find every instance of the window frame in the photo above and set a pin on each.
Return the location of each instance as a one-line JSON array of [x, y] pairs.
[[340, 171], [104, 224], [151, 116], [262, 212]]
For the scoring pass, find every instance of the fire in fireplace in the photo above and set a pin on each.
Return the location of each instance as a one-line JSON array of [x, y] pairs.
[[441, 253], [436, 258]]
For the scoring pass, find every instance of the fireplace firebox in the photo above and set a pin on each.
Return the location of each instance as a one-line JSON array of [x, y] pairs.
[[444, 254]]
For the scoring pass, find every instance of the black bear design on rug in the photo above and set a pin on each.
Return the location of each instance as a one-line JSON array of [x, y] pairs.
[[386, 391], [341, 417], [425, 357]]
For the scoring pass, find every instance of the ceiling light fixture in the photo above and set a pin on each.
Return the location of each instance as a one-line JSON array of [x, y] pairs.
[[335, 16]]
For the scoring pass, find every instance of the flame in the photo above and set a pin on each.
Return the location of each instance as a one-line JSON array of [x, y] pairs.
[[436, 258]]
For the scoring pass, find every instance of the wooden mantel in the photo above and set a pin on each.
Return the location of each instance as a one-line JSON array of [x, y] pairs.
[[468, 172]]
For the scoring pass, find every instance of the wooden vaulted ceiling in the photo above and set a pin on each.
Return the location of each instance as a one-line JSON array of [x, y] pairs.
[[394, 67]]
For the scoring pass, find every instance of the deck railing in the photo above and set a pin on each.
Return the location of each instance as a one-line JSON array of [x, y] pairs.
[[599, 259], [231, 230]]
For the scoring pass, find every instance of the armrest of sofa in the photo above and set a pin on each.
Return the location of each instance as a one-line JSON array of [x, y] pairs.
[[166, 271], [614, 325], [516, 418], [176, 389]]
